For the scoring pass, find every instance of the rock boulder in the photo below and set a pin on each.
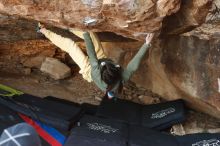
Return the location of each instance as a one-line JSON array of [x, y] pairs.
[[55, 69], [132, 18]]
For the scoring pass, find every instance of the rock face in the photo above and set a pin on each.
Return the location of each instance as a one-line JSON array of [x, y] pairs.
[[132, 18], [192, 67], [16, 29], [34, 62], [55, 68], [191, 14], [185, 66], [197, 123], [14, 55]]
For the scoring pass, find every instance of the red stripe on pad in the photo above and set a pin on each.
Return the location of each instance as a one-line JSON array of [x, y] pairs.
[[41, 131]]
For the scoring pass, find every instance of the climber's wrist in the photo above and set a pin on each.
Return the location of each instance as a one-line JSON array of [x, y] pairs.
[[148, 44]]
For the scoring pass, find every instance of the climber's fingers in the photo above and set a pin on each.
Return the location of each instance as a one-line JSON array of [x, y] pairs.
[[40, 25], [149, 38]]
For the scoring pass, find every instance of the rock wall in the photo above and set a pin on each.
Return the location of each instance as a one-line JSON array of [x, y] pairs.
[[191, 14], [133, 18], [181, 67], [185, 66]]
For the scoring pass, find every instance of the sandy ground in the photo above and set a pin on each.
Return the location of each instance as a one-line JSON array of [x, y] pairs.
[[74, 88]]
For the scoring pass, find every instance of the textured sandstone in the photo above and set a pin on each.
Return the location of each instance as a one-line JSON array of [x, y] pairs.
[[132, 19], [14, 54], [55, 68], [34, 62], [186, 67], [191, 14], [16, 29], [197, 123]]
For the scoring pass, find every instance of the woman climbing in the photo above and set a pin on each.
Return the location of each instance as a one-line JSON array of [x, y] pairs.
[[96, 67]]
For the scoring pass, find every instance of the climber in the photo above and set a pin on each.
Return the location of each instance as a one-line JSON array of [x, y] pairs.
[[106, 74]]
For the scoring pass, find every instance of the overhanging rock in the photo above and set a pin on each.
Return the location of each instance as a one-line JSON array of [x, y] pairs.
[[13, 29], [191, 15], [132, 18]]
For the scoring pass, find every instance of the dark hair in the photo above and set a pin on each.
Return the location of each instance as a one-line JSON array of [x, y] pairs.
[[110, 74]]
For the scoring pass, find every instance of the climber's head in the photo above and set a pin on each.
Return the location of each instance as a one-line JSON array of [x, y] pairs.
[[110, 73]]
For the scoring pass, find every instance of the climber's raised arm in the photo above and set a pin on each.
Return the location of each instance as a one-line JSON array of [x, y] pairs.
[[135, 62], [90, 49]]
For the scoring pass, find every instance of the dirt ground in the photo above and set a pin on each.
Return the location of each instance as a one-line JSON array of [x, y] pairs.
[[74, 88]]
